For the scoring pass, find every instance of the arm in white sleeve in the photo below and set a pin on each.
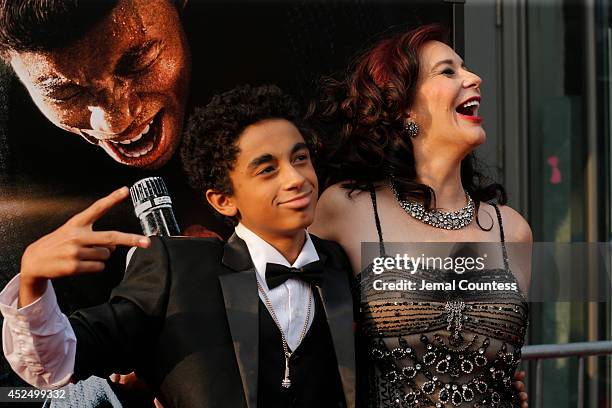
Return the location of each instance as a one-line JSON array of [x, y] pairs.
[[38, 340]]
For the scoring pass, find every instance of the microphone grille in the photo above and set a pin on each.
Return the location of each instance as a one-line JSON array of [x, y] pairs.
[[147, 188]]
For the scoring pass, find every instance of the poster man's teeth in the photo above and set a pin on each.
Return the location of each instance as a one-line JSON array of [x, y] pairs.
[[144, 146], [130, 148], [146, 149], [137, 138]]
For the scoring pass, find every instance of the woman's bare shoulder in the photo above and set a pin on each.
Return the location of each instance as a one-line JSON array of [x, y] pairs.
[[336, 206], [337, 197], [516, 228]]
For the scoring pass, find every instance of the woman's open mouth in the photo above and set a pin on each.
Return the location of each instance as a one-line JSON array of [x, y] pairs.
[[468, 110]]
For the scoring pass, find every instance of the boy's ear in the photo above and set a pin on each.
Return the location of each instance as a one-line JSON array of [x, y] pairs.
[[223, 203]]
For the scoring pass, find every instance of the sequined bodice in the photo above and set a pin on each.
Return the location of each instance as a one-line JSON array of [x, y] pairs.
[[442, 348]]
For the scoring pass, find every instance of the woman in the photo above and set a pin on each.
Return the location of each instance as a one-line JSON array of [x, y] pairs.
[[404, 168]]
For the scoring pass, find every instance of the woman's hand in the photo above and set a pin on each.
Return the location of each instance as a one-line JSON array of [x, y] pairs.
[[519, 385], [73, 249]]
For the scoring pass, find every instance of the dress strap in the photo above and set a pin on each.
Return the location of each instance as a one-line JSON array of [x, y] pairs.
[[501, 236], [381, 243]]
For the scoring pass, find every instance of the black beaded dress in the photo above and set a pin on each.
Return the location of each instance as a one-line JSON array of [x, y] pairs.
[[441, 348]]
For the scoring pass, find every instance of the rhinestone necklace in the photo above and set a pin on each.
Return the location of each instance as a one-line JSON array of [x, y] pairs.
[[286, 383], [450, 220]]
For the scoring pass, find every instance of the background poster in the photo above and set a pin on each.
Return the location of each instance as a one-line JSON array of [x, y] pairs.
[[48, 174]]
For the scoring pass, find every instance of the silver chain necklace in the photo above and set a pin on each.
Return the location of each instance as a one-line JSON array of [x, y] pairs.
[[286, 383], [450, 220]]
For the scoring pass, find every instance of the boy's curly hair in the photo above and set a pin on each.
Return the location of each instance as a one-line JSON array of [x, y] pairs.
[[209, 150]]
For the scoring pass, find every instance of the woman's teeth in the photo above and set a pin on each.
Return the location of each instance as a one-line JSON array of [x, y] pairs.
[[470, 104], [469, 108]]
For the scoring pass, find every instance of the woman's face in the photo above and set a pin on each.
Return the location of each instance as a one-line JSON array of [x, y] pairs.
[[447, 100], [122, 86]]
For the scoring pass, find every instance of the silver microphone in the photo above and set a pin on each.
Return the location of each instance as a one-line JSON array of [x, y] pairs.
[[153, 207]]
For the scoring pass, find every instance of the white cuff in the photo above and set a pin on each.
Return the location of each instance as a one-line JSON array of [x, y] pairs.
[[37, 339]]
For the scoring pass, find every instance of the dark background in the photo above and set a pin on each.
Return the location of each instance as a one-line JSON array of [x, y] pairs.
[[47, 174]]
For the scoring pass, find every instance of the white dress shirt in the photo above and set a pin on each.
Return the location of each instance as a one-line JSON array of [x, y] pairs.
[[40, 345], [290, 299]]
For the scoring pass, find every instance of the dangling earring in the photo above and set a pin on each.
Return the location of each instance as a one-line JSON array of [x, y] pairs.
[[411, 128]]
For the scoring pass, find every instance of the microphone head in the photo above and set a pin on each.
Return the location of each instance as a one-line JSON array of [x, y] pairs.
[[149, 193]]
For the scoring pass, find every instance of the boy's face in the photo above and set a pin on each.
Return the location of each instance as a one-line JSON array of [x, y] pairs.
[[274, 182]]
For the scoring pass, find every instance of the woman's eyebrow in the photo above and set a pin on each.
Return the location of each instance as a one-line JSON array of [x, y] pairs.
[[443, 62]]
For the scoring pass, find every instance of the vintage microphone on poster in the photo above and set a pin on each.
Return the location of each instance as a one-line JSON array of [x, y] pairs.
[[153, 207]]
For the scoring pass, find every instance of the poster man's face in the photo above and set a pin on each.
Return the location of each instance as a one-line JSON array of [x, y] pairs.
[[122, 86]]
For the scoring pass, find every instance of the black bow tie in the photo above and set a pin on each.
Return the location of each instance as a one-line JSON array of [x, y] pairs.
[[310, 273]]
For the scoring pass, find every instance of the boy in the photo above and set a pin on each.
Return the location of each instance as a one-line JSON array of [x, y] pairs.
[[262, 320]]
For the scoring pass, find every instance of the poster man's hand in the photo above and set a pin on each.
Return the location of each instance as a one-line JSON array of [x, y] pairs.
[[73, 249]]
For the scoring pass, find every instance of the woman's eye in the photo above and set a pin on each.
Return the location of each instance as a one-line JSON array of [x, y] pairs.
[[449, 71]]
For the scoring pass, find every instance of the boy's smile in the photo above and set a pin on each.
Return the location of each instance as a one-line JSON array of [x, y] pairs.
[[299, 201], [274, 183]]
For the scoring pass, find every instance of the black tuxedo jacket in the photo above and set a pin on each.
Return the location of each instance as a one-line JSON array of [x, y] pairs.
[[185, 317]]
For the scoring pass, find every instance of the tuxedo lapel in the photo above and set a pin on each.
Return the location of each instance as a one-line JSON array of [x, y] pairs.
[[242, 307], [337, 300]]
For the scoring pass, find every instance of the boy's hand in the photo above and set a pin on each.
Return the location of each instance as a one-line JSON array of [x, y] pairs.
[[72, 249], [519, 385]]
